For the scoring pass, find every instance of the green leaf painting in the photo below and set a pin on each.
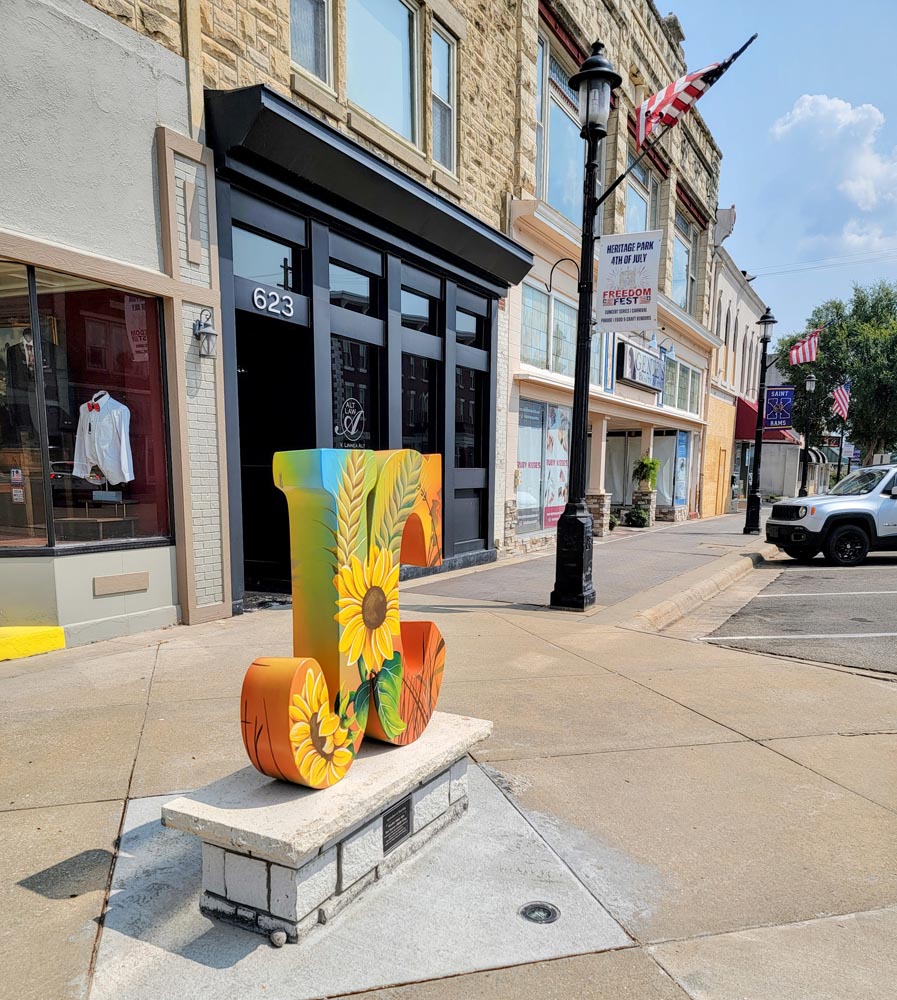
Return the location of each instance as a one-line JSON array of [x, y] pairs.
[[387, 691]]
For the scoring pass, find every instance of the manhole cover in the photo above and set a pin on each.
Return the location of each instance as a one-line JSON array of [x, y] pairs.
[[539, 913]]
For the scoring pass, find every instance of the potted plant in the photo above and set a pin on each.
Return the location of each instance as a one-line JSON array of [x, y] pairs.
[[644, 473]]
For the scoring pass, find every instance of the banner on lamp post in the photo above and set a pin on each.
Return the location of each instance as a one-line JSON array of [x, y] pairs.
[[779, 404], [627, 281]]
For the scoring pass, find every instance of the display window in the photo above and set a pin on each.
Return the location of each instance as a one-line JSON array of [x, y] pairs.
[[420, 404], [543, 464], [82, 412]]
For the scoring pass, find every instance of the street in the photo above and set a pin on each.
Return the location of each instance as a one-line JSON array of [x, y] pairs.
[[824, 613]]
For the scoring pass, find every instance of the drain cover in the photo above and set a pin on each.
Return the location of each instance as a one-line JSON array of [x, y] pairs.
[[539, 913]]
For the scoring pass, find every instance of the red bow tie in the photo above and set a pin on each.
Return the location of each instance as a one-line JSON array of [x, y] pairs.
[[93, 406]]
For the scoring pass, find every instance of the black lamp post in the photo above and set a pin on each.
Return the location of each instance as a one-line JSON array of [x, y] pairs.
[[752, 516], [573, 588], [805, 468]]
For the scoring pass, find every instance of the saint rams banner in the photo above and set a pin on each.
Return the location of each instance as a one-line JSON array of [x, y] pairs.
[[627, 281], [779, 402]]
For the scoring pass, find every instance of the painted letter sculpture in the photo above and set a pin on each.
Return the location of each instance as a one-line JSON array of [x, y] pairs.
[[357, 668]]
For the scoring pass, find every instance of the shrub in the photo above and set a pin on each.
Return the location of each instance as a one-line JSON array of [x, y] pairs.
[[637, 517], [614, 521]]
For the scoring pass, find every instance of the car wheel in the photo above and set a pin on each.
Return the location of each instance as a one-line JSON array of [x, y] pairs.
[[846, 546], [802, 553]]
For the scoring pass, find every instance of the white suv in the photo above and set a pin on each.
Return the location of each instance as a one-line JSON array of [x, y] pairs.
[[859, 514]]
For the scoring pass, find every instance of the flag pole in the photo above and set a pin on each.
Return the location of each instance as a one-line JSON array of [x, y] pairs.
[[648, 145]]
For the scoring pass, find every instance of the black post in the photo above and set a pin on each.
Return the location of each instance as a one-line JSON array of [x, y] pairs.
[[804, 472], [840, 450], [752, 514], [573, 587]]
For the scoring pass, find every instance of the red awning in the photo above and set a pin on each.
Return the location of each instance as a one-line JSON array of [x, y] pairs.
[[746, 426]]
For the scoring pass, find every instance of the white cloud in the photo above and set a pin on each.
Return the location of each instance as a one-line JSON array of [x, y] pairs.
[[838, 146]]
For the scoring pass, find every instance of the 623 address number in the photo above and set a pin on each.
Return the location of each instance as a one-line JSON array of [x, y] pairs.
[[266, 300]]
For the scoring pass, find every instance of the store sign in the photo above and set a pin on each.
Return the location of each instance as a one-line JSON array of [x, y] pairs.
[[627, 281], [351, 421], [639, 367], [779, 403], [135, 324], [18, 494], [16, 477]]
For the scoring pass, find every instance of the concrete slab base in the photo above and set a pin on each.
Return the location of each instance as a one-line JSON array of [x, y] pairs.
[[449, 910]]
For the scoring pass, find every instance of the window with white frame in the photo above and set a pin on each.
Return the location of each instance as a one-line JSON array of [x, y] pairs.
[[685, 263], [596, 358], [382, 62], [642, 196], [444, 100], [534, 327], [310, 36], [681, 386], [548, 332], [560, 152]]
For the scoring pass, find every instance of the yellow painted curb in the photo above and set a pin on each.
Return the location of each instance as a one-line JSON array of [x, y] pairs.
[[28, 640]]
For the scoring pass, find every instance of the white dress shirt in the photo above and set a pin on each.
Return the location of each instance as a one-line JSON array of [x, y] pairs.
[[103, 440]]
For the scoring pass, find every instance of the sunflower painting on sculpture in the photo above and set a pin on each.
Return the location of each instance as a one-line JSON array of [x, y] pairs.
[[357, 669]]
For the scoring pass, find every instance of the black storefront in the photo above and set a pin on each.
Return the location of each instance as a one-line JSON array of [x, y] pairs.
[[359, 309]]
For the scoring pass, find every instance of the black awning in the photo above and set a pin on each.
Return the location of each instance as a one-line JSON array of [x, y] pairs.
[[256, 122]]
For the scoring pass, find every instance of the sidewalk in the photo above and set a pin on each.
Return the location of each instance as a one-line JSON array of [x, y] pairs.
[[717, 824]]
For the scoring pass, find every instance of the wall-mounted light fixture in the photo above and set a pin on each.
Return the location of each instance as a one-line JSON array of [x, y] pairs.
[[206, 334]]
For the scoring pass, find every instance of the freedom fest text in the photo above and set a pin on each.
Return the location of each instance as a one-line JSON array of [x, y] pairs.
[[622, 254]]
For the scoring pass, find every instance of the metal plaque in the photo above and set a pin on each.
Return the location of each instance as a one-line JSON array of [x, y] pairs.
[[396, 824]]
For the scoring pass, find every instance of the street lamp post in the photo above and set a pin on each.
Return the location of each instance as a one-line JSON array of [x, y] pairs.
[[805, 469], [752, 515], [573, 587]]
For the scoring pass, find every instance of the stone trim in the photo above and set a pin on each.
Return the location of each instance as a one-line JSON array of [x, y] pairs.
[[599, 506], [379, 135], [647, 500]]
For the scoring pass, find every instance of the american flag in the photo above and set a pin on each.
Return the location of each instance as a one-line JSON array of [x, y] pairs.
[[841, 396], [667, 106], [805, 350]]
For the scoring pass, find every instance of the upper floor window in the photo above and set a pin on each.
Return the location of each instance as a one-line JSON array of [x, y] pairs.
[[444, 100], [559, 148], [685, 263], [642, 196], [381, 42], [548, 332], [310, 37], [681, 386]]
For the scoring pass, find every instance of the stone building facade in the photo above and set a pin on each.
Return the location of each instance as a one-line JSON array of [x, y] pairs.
[[161, 219], [674, 190]]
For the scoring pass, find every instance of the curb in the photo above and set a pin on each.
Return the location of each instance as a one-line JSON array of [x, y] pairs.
[[657, 618]]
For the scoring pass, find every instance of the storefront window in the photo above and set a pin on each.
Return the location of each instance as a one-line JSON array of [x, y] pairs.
[[530, 463], [263, 260], [534, 333], [105, 410], [22, 511], [470, 417], [470, 329], [420, 404], [420, 312], [563, 348], [350, 289], [356, 413]]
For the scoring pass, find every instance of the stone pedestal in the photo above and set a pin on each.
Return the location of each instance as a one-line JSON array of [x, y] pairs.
[[647, 500], [599, 505], [279, 857], [672, 513], [510, 535]]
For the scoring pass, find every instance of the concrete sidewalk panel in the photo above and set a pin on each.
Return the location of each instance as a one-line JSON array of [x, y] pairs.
[[54, 868], [452, 909], [700, 840], [119, 677], [187, 672], [764, 697], [60, 756], [865, 762], [188, 745], [581, 713], [839, 958], [616, 975]]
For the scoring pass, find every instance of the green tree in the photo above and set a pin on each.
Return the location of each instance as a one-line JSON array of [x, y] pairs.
[[859, 344]]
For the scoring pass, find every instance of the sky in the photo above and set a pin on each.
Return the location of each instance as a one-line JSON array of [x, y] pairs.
[[807, 123]]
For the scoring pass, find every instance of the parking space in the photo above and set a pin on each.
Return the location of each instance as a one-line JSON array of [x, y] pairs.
[[819, 612]]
